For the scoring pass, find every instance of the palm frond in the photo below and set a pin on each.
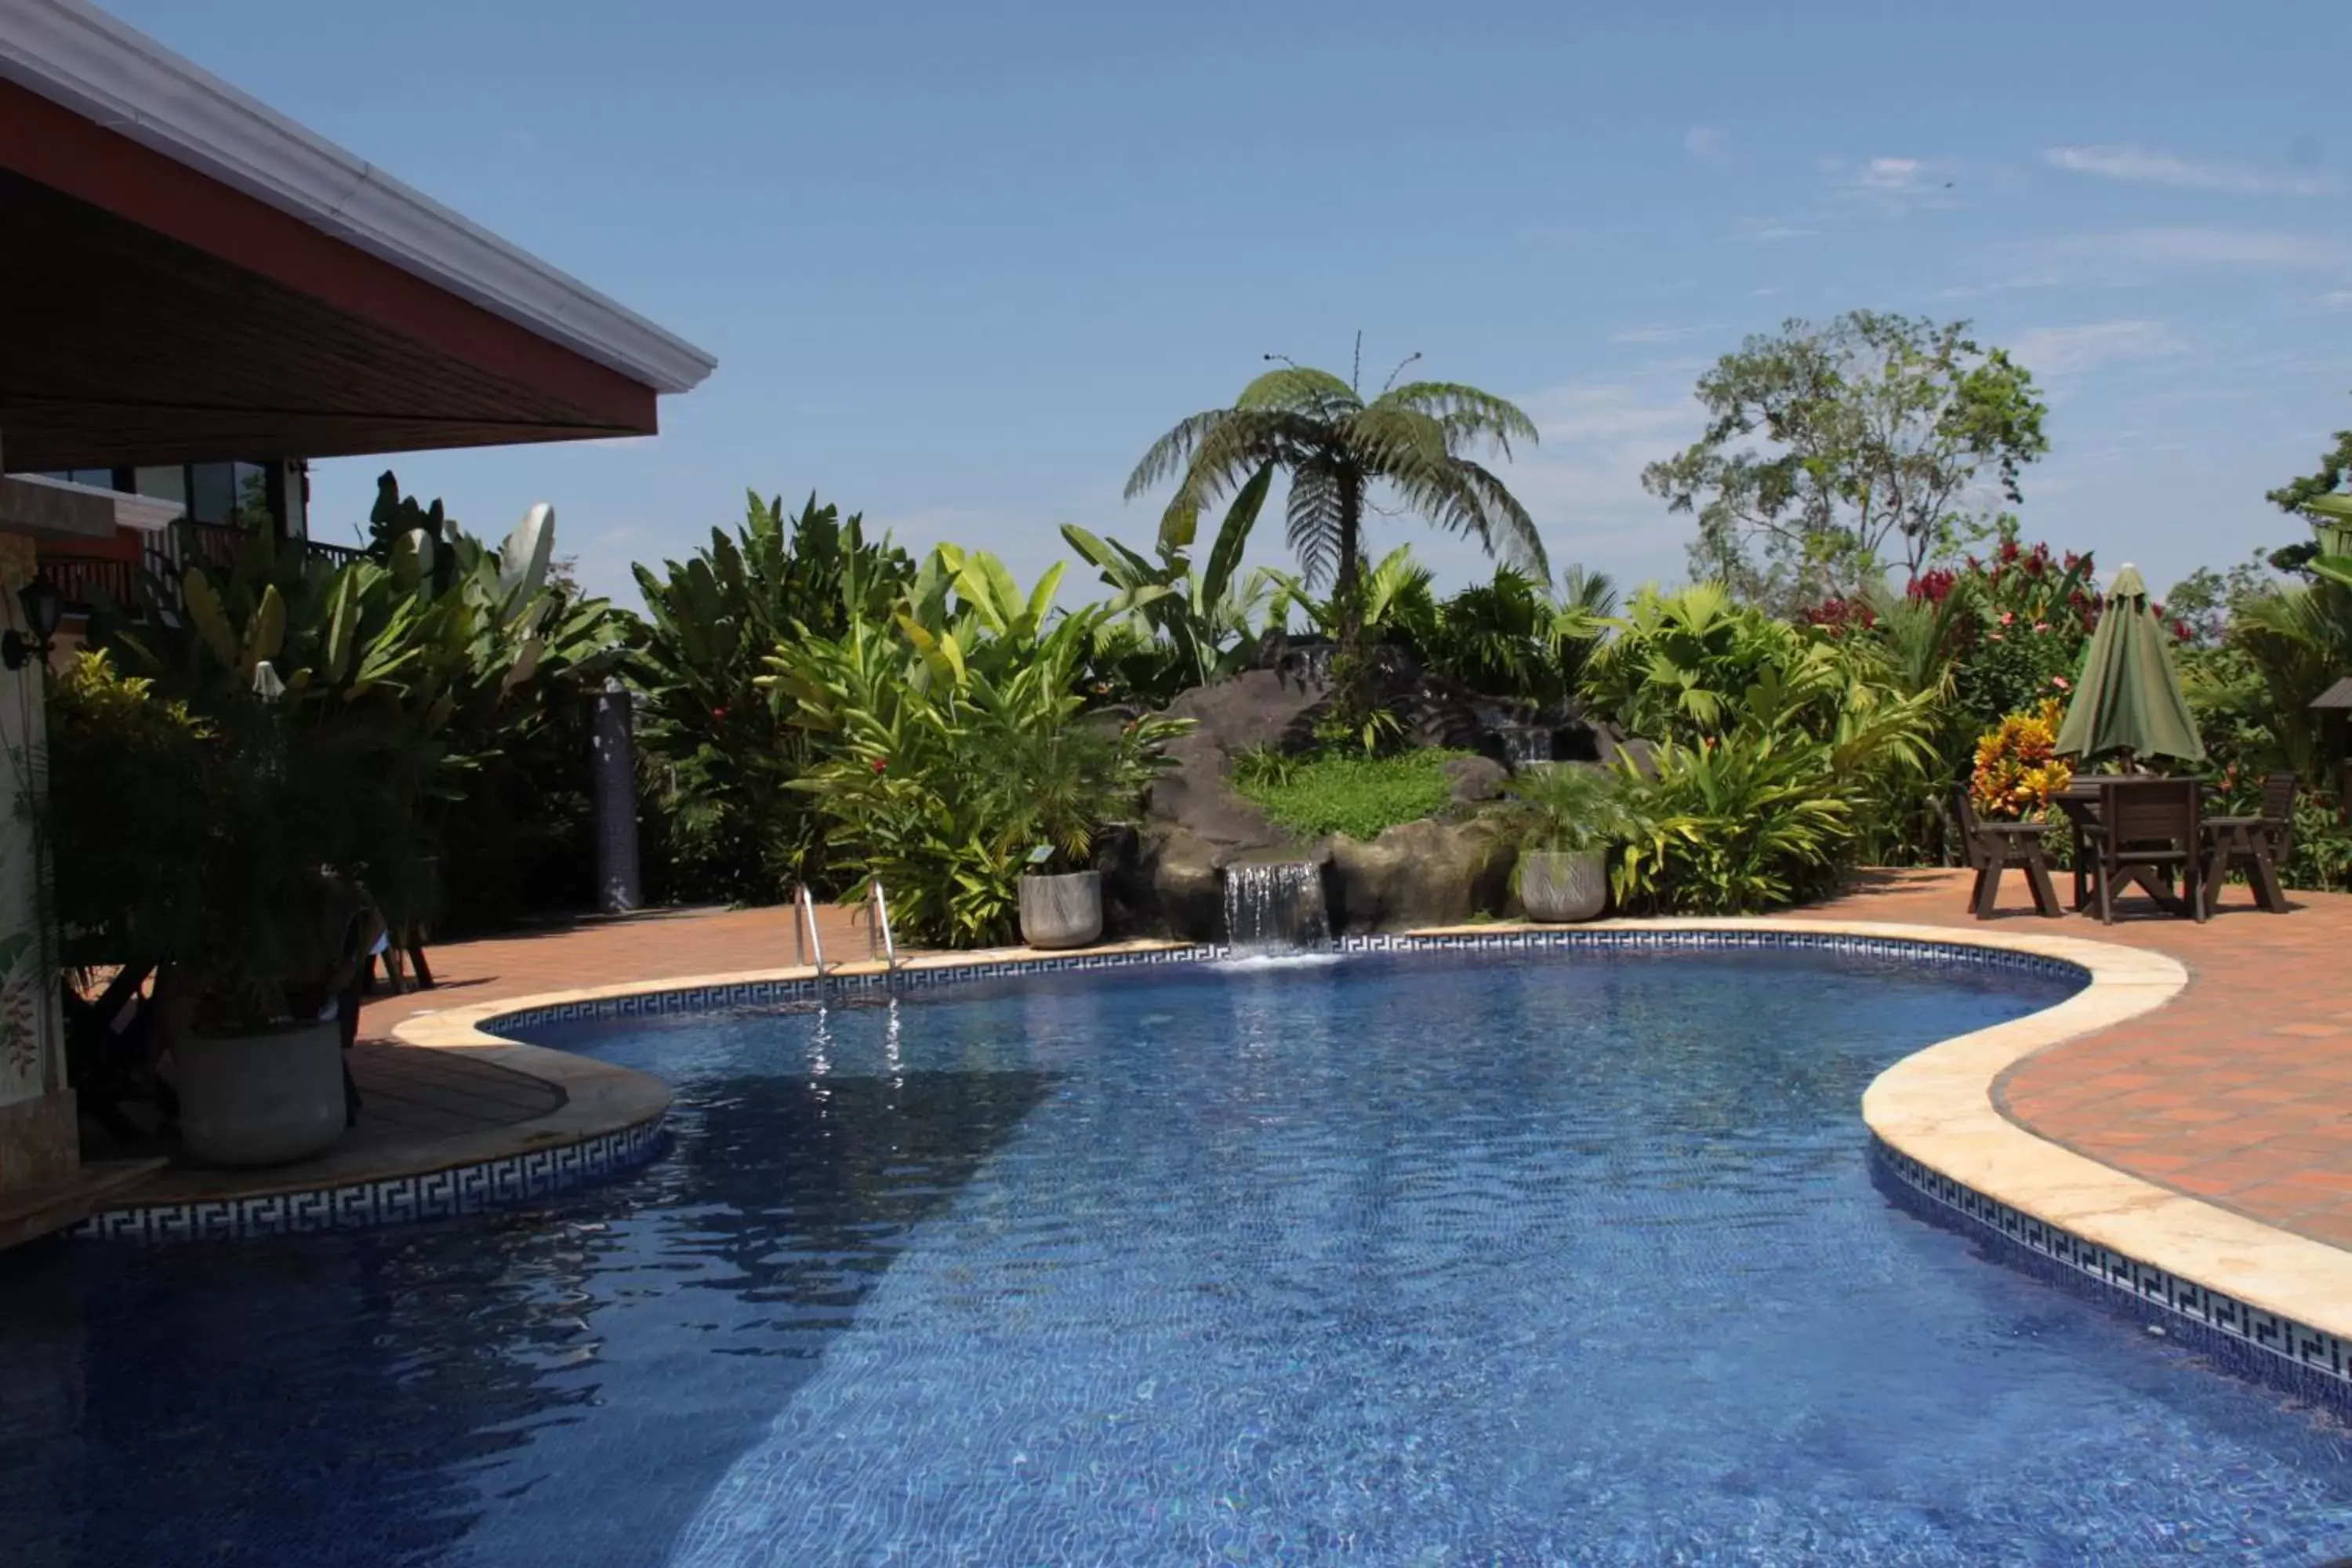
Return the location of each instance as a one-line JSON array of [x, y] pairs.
[[1174, 449], [1466, 413], [1299, 389], [1313, 521], [1460, 497]]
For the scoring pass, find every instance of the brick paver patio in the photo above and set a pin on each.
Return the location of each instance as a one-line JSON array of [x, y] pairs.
[[660, 944], [2239, 1093]]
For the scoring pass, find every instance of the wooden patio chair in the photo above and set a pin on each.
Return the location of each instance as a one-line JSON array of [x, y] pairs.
[[2255, 845], [1995, 847], [2144, 834]]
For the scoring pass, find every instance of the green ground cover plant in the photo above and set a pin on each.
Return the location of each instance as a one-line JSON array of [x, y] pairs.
[[1354, 794]]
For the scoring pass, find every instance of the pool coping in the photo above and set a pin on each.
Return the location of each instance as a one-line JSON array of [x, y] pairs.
[[1937, 1130]]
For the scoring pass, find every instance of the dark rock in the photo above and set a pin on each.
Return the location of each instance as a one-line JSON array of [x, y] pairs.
[[1477, 778], [1165, 879]]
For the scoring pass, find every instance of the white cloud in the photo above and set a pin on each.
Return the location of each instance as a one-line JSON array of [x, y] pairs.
[[2205, 246], [1766, 230], [2066, 351], [1895, 185], [2337, 298], [1889, 175], [1706, 143], [2143, 166], [1663, 334]]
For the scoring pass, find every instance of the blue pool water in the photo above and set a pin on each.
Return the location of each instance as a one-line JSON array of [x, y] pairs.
[[1426, 1260]]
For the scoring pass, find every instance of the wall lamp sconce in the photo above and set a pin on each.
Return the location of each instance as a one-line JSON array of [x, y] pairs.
[[44, 607]]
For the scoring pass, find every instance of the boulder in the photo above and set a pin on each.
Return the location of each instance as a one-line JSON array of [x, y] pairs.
[[1477, 778], [1422, 873]]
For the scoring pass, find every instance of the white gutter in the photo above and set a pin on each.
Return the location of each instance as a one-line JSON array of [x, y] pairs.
[[77, 56]]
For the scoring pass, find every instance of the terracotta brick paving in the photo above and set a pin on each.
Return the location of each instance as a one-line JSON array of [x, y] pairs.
[[662, 945], [2240, 1092]]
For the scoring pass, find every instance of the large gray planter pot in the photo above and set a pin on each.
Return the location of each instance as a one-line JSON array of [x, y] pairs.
[[1561, 886], [261, 1099], [1062, 912]]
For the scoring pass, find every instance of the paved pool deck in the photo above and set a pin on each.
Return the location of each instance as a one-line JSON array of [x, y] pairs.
[[2237, 1092]]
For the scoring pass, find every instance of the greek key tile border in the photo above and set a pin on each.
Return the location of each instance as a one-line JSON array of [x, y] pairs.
[[1925, 953], [435, 1195], [761, 993], [2263, 1346]]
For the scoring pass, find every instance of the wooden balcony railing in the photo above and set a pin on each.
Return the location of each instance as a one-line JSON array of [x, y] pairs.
[[82, 580]]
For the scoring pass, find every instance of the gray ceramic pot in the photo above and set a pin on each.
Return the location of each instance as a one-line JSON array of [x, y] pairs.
[[260, 1099], [1062, 912], [1562, 887]]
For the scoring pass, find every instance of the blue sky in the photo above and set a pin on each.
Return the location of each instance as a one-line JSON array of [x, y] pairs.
[[961, 264]]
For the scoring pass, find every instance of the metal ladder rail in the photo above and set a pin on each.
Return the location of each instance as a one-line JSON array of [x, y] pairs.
[[806, 943], [877, 917]]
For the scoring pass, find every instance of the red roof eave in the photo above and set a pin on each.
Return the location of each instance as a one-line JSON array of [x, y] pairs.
[[49, 144]]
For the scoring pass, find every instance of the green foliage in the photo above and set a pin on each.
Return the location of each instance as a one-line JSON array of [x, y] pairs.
[[2298, 642], [1571, 807], [1749, 823], [1336, 448], [1832, 451], [1351, 794], [1684, 664], [189, 828], [1202, 619], [1789, 752], [1512, 637], [719, 749], [945, 744], [2334, 469], [449, 670]]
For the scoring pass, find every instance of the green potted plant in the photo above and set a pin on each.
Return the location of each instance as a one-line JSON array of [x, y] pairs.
[[199, 847], [1575, 812], [1058, 783]]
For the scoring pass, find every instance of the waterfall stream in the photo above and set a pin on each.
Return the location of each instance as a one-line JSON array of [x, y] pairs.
[[1276, 906]]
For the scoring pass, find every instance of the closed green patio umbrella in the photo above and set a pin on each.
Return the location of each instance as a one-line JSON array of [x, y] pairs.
[[2128, 698]]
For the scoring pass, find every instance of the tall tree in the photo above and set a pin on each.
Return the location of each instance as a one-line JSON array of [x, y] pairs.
[[1832, 452], [2322, 502], [1337, 450]]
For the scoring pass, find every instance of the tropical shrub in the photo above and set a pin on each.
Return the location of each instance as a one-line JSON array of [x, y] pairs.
[[191, 830], [2017, 769], [1203, 621], [464, 666], [1748, 823], [1513, 637], [947, 747], [1357, 796], [719, 751]]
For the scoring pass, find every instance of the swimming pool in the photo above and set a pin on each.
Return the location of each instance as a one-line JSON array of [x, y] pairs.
[[1399, 1260]]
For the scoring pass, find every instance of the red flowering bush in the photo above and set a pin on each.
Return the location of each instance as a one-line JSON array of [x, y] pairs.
[[1840, 616], [2033, 614]]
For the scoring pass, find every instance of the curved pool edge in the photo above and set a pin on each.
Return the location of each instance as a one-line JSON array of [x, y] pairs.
[[611, 1122], [1936, 1129]]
